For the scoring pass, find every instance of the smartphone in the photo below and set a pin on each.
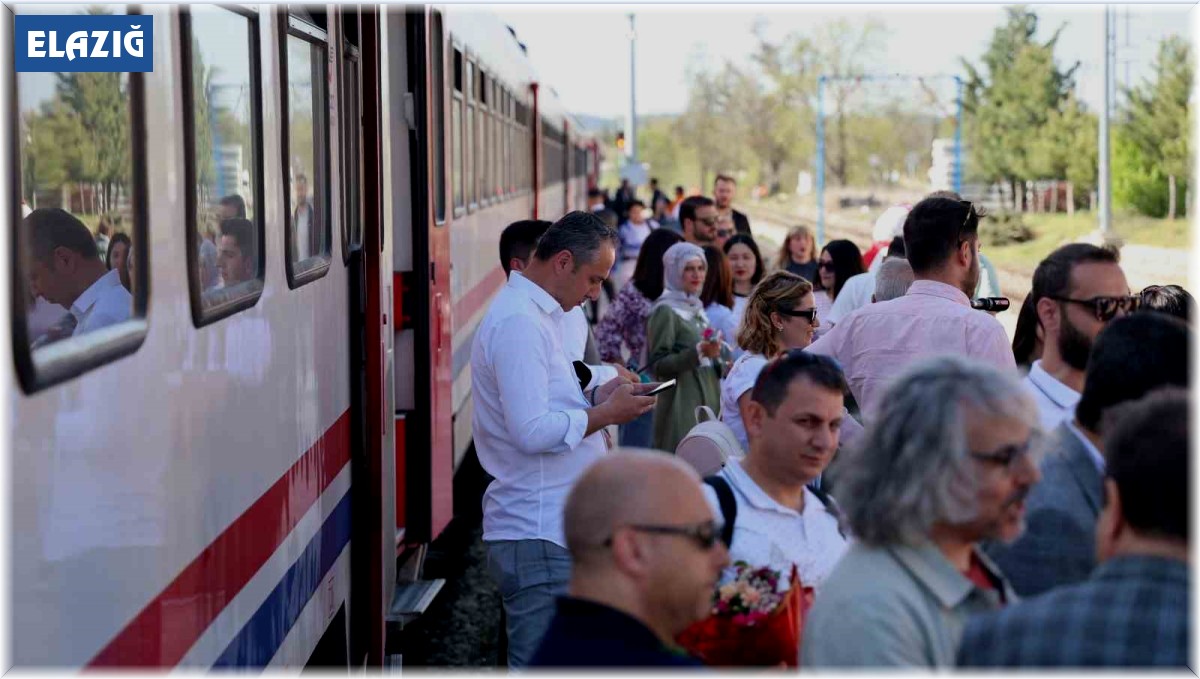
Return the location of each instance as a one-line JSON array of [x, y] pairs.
[[661, 388]]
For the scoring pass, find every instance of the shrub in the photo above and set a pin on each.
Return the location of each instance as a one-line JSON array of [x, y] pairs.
[[1004, 228]]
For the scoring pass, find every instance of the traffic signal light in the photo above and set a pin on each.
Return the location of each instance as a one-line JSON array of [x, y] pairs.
[[621, 141]]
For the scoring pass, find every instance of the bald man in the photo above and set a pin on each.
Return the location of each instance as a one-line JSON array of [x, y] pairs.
[[645, 558]]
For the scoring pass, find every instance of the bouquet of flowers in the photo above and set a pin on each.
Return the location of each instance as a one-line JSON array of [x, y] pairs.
[[756, 620]]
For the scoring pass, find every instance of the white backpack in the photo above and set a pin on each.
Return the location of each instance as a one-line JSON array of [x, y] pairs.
[[709, 444]]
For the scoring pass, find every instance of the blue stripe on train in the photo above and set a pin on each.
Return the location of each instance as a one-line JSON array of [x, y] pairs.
[[261, 637]]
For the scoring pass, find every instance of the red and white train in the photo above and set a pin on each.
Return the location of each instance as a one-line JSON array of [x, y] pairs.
[[251, 481]]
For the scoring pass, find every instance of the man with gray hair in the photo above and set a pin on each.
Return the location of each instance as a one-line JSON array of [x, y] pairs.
[[892, 280], [535, 430], [645, 558], [945, 464]]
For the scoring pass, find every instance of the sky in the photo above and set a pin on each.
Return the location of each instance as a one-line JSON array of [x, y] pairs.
[[920, 39]]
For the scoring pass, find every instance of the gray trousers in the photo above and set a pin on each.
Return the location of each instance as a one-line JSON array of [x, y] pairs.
[[530, 575]]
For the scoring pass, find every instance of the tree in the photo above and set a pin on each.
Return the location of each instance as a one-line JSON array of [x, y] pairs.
[[844, 49], [99, 100], [1010, 99], [1157, 116]]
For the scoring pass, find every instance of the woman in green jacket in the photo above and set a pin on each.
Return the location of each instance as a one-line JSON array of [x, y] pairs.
[[676, 347]]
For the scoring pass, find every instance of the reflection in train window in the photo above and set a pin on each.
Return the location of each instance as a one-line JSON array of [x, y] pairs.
[[81, 210], [469, 138], [307, 159], [481, 124], [438, 143], [456, 144], [225, 170]]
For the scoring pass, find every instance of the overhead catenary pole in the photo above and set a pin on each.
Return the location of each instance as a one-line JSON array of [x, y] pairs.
[[1105, 173], [631, 131]]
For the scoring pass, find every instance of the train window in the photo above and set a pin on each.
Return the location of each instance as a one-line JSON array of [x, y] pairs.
[[306, 150], [352, 230], [469, 139], [494, 137], [438, 72], [481, 147], [80, 275], [456, 144]]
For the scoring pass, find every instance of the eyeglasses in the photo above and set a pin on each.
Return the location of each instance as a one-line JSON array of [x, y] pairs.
[[1104, 308], [705, 534], [724, 233], [711, 221], [1008, 456], [970, 211], [810, 314]]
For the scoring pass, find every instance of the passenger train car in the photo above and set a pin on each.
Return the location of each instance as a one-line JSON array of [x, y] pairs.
[[245, 469]]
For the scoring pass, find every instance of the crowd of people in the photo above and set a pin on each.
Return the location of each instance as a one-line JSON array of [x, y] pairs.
[[945, 496]]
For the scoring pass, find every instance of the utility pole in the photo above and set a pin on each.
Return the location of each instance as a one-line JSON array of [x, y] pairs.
[[1105, 184], [631, 131]]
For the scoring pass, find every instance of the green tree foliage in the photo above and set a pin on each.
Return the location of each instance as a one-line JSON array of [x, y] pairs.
[[99, 101], [1011, 98], [1157, 122]]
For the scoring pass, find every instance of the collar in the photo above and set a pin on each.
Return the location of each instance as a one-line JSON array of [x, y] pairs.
[[757, 498], [1063, 396], [939, 289], [88, 299], [1091, 449], [537, 293], [598, 207], [926, 563]]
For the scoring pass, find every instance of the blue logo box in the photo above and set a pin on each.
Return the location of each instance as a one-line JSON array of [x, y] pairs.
[[78, 43]]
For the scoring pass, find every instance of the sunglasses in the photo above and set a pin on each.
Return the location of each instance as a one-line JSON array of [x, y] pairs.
[[710, 221], [1104, 308], [724, 233], [828, 266], [1008, 457], [810, 314], [705, 534]]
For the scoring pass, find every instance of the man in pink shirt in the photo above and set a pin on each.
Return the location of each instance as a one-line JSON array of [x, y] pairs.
[[876, 342]]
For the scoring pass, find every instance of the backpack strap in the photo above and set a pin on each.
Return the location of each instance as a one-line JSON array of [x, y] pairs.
[[831, 505], [728, 506]]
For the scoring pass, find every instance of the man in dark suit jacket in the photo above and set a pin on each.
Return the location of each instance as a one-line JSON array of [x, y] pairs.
[[1131, 357], [1133, 611], [723, 189]]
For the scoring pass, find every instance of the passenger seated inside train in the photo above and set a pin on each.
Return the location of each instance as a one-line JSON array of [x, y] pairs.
[[64, 267], [236, 256]]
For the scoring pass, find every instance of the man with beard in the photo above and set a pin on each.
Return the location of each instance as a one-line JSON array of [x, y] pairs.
[[1076, 291], [945, 465], [875, 342], [1133, 356]]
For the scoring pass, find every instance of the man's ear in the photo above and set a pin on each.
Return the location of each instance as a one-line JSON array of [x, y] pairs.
[[628, 552], [564, 262], [516, 264], [65, 258], [1048, 312], [756, 416]]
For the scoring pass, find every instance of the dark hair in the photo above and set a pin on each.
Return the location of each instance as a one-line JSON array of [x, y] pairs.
[[637, 203], [847, 262], [724, 178], [687, 209], [595, 193], [771, 387], [1169, 299], [1131, 356], [50, 227], [242, 232], [1025, 339], [607, 216], [239, 205], [577, 232], [934, 229], [648, 273], [1052, 277], [117, 238], [718, 282], [654, 181], [896, 248], [1146, 451], [679, 190], [748, 240], [518, 240]]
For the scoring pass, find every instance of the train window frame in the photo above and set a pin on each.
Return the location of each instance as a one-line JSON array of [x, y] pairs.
[[350, 127], [481, 152], [202, 315], [437, 107], [291, 25], [470, 175], [496, 190], [66, 360], [457, 105]]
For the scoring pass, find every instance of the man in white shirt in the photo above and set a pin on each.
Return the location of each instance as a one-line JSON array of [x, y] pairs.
[[859, 289], [793, 419], [64, 266], [535, 429], [1077, 290]]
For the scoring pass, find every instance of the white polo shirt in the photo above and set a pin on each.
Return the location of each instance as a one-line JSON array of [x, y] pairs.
[[767, 533], [106, 302], [1055, 401]]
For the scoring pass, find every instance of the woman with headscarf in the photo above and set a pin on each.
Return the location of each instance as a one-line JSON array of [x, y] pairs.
[[678, 350]]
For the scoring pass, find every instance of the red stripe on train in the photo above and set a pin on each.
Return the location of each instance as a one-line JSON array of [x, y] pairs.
[[161, 634], [470, 303]]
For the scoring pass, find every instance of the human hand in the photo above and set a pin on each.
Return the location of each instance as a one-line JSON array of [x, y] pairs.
[[625, 402]]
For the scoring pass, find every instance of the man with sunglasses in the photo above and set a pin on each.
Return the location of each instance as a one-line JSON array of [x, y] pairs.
[[645, 558], [876, 342], [698, 219], [792, 421], [1077, 290], [1132, 356]]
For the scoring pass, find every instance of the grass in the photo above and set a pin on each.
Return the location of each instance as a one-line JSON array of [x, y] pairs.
[[1053, 230]]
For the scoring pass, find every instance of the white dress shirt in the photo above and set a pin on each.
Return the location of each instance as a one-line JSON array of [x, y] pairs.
[[106, 302], [856, 293], [1055, 401], [574, 329], [530, 415], [767, 533]]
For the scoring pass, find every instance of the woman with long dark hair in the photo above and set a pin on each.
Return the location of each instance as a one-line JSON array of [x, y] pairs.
[[839, 260], [746, 265], [717, 295], [117, 257]]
